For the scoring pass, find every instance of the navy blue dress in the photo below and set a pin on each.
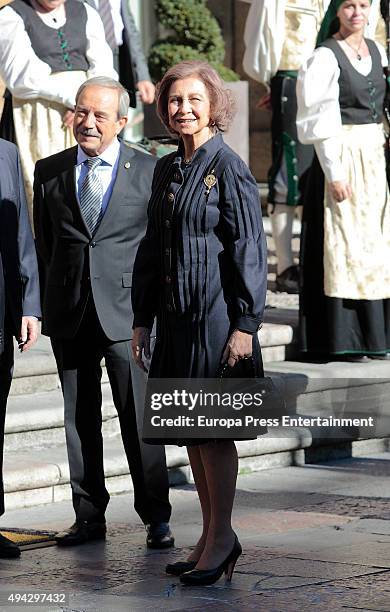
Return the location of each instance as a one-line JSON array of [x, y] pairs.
[[201, 268]]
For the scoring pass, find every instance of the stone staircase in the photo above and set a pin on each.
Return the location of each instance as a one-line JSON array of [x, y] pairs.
[[35, 465]]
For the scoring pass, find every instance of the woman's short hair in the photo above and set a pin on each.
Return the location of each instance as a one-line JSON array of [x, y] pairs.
[[103, 81], [222, 105]]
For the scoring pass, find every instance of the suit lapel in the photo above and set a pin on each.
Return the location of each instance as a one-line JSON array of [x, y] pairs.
[[122, 185], [69, 182]]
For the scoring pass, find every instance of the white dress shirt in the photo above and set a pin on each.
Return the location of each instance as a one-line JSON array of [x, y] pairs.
[[319, 117], [106, 172]]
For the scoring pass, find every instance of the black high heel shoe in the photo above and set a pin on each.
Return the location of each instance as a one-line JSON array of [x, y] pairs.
[[178, 568], [205, 577]]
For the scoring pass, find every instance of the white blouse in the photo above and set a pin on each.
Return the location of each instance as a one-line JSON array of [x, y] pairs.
[[27, 77], [319, 117]]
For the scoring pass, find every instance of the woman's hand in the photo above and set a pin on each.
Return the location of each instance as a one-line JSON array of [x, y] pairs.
[[340, 190], [140, 345], [238, 347]]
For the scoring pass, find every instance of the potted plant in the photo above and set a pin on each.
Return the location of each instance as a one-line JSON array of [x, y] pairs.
[[194, 33]]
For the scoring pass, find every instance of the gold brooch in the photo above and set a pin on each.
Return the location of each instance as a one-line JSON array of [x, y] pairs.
[[209, 180]]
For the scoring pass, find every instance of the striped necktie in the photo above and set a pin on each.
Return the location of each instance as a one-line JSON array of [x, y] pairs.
[[91, 195], [108, 22]]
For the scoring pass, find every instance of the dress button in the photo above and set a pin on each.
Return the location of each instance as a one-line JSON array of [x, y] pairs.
[[170, 198], [168, 279], [93, 244], [167, 223], [295, 178]]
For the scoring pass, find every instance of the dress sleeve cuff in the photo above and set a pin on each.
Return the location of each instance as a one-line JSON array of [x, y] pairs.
[[142, 319], [250, 325]]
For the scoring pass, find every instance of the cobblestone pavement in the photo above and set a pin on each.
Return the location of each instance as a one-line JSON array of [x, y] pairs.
[[315, 537]]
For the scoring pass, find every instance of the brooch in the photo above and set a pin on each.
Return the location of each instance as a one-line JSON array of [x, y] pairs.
[[209, 180]]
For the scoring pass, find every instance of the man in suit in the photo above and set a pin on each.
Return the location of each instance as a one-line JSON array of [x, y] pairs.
[[19, 290], [90, 213], [123, 37]]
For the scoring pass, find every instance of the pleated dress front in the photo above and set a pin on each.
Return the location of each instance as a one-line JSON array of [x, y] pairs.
[[201, 268]]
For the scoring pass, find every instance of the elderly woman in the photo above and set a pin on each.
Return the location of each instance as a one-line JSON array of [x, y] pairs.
[[47, 49], [201, 270], [345, 247]]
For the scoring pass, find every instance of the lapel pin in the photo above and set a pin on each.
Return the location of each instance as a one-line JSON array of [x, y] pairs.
[[127, 165], [209, 180]]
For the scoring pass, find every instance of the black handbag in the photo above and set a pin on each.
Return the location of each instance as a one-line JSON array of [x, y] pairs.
[[245, 378]]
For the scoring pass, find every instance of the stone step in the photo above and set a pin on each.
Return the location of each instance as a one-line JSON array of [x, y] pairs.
[[268, 227], [35, 371], [40, 475], [36, 420]]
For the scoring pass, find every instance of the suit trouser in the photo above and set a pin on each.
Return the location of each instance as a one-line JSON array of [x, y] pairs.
[[6, 369], [78, 361]]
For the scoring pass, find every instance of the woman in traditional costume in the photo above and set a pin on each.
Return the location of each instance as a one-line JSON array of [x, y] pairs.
[[345, 246], [47, 49]]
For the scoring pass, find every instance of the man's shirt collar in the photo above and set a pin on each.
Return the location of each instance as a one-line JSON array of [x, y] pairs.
[[109, 155]]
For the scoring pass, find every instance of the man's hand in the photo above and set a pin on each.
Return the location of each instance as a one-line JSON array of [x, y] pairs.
[[28, 333], [238, 347], [340, 190], [147, 91], [264, 102], [140, 345], [67, 119]]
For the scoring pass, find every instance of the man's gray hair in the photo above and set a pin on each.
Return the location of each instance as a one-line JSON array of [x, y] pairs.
[[103, 81]]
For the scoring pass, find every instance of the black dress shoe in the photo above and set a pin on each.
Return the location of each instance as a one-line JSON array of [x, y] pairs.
[[159, 536], [8, 549], [81, 532], [288, 280], [178, 568]]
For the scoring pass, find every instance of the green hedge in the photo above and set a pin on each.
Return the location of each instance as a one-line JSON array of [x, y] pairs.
[[196, 35]]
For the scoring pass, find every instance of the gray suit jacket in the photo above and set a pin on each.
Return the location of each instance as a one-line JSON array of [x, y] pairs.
[[132, 63], [72, 262], [19, 286]]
